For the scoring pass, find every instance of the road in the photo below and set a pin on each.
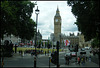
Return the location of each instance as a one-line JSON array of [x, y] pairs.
[[43, 61]]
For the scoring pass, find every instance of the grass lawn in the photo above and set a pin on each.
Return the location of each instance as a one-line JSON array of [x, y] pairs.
[[44, 49]]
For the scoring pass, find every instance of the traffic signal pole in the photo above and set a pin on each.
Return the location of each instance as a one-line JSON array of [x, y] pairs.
[[49, 61]]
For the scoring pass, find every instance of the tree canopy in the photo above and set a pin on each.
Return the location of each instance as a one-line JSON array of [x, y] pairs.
[[16, 19], [87, 15]]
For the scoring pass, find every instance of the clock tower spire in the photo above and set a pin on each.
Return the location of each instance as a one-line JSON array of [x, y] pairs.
[[57, 12], [57, 25]]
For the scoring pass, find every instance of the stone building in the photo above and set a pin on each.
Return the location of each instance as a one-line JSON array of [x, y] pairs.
[[72, 38], [58, 36], [17, 40], [11, 37], [57, 25], [39, 36]]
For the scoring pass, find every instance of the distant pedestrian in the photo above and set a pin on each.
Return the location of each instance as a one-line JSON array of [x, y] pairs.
[[68, 60], [90, 58], [78, 60], [21, 53], [45, 53], [86, 58], [42, 51], [83, 60]]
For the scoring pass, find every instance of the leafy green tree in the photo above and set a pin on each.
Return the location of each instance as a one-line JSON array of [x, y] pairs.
[[95, 42], [16, 19], [87, 15], [7, 18]]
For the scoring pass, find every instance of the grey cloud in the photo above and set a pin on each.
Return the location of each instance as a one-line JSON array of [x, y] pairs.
[[40, 24], [46, 17], [70, 29]]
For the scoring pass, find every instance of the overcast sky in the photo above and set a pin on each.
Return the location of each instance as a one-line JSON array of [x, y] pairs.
[[46, 18]]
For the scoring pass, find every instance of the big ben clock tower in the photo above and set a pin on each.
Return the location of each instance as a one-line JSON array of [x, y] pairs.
[[57, 25]]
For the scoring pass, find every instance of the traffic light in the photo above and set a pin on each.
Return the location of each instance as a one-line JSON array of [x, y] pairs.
[[54, 57]]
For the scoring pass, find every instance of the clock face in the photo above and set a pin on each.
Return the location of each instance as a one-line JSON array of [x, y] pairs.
[[56, 20]]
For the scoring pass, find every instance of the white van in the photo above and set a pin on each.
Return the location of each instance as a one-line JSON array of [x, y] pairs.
[[87, 48]]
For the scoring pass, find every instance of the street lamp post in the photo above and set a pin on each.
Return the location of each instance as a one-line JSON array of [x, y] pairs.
[[36, 12], [60, 40]]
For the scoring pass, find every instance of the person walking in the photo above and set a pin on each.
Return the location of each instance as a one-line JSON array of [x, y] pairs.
[[83, 60], [21, 53], [68, 60], [78, 60], [90, 58], [86, 58]]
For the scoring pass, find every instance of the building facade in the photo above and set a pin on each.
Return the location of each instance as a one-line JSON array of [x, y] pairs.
[[17, 40], [11, 37], [78, 39], [72, 38], [58, 36], [39, 36]]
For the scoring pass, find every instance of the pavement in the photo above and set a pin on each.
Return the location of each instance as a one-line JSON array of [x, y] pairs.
[[16, 55], [87, 64]]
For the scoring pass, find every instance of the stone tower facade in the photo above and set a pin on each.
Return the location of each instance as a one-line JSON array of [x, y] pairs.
[[57, 25]]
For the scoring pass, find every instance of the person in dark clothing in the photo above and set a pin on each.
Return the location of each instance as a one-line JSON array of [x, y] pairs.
[[68, 60], [21, 53], [45, 53], [90, 58], [86, 58]]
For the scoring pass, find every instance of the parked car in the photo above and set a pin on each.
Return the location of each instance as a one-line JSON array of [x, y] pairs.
[[87, 48], [82, 49], [31, 46], [71, 49], [68, 54], [73, 54]]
